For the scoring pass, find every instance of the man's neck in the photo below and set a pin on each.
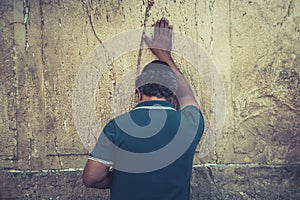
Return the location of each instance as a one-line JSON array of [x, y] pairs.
[[152, 98]]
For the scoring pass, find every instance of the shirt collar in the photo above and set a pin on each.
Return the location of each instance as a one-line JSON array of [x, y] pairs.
[[154, 103]]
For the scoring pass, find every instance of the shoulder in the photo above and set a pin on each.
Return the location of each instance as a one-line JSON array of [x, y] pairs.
[[192, 110], [192, 114]]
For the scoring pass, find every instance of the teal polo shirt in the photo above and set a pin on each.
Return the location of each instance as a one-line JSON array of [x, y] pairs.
[[151, 150]]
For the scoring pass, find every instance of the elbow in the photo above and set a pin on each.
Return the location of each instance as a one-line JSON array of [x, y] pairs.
[[94, 175], [94, 182], [87, 181], [87, 184]]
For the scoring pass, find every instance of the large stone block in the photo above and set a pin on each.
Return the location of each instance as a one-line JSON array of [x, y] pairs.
[[208, 182], [254, 46], [8, 87]]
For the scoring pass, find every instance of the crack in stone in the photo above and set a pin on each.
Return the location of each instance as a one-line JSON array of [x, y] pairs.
[[43, 64], [42, 24], [197, 24], [91, 21], [211, 5], [26, 10], [87, 10], [148, 8], [211, 10], [42, 32], [108, 59], [213, 180], [57, 152], [30, 140], [287, 15]]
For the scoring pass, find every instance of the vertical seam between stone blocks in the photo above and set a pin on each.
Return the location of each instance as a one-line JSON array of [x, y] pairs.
[[43, 65], [43, 76], [231, 62], [146, 16], [213, 180], [16, 150]]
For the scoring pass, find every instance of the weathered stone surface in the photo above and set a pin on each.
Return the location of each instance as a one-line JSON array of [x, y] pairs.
[[8, 87], [51, 40], [46, 185], [210, 182], [255, 46], [246, 182], [264, 40]]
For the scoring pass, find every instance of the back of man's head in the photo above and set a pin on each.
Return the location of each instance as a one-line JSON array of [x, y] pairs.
[[157, 79]]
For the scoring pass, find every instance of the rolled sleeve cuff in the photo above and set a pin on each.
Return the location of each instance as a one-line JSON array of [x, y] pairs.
[[105, 162]]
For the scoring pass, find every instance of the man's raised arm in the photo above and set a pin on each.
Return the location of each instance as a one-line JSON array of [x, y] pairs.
[[161, 46]]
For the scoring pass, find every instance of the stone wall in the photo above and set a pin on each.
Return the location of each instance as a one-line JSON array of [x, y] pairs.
[[253, 47], [208, 182]]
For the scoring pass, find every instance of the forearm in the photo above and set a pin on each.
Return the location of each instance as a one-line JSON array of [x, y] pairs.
[[104, 184], [161, 46], [184, 88], [96, 175]]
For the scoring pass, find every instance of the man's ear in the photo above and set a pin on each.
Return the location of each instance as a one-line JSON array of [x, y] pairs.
[[139, 95], [175, 102]]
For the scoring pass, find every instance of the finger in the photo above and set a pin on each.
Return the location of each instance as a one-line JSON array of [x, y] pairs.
[[166, 23], [163, 26], [170, 31], [167, 27], [156, 29], [162, 22]]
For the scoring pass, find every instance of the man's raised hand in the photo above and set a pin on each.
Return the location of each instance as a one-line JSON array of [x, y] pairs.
[[161, 43]]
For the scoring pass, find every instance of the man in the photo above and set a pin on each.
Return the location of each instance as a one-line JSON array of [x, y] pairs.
[[164, 176]]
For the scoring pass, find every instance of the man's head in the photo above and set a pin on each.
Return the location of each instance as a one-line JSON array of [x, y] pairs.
[[157, 80]]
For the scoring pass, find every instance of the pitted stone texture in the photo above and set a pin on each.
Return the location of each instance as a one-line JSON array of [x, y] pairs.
[[265, 84], [254, 45], [210, 182], [246, 182], [47, 185], [8, 86]]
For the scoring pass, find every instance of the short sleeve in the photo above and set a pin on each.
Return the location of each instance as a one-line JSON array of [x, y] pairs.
[[194, 117], [104, 149]]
